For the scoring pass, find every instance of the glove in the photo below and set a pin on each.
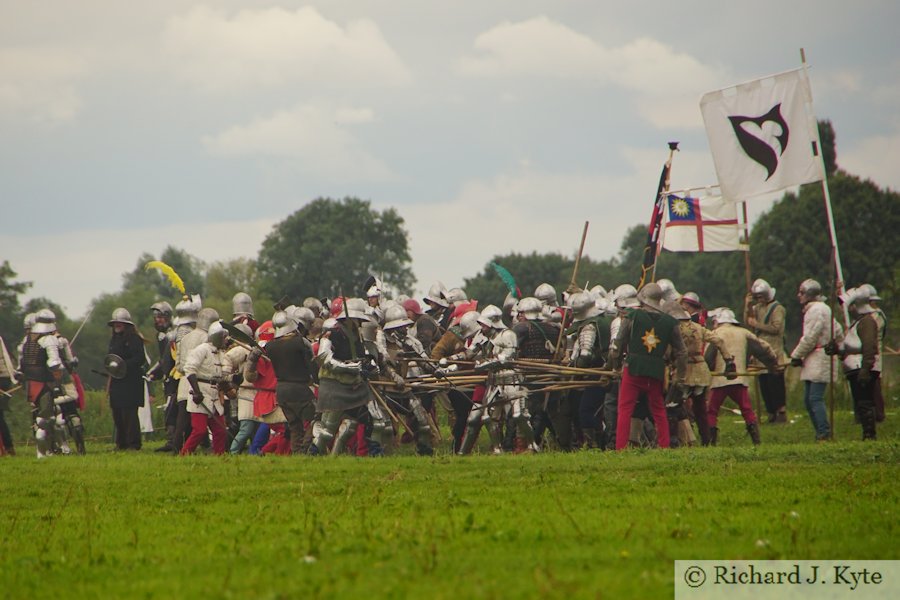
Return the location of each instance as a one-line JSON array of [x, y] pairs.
[[831, 348], [57, 391], [796, 362], [73, 364], [255, 354], [730, 370], [197, 397]]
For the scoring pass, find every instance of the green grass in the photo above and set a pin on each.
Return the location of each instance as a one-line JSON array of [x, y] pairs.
[[584, 525]]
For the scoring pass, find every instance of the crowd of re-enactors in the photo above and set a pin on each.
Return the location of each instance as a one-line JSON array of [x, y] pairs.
[[364, 376]]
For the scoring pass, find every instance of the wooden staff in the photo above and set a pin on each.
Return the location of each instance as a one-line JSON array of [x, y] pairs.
[[572, 285]]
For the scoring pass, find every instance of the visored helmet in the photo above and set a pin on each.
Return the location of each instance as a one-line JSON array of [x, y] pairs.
[[242, 304], [44, 321], [217, 335]]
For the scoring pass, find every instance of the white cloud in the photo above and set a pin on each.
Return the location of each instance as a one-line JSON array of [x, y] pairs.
[[313, 137], [533, 210], [667, 84], [217, 51], [40, 84], [875, 158], [86, 267]]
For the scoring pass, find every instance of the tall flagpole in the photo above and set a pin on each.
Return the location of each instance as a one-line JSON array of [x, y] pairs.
[[839, 284], [648, 263]]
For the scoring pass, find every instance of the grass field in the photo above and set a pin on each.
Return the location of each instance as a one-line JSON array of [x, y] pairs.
[[583, 525]]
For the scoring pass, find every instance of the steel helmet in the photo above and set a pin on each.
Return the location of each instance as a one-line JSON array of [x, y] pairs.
[[810, 289], [242, 304], [186, 310], [546, 293], [314, 304], [44, 321], [762, 288], [470, 324], [625, 296], [873, 293], [530, 307], [120, 315], [674, 309], [583, 306], [206, 317], [304, 316], [217, 335], [437, 294], [668, 289], [29, 320], [161, 309], [283, 324], [725, 315], [456, 295], [492, 317], [652, 295], [395, 317], [692, 298]]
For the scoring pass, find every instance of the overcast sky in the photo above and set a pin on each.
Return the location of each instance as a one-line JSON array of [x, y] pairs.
[[491, 127]]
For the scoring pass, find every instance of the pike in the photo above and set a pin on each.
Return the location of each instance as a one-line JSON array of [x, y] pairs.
[[572, 286], [80, 327]]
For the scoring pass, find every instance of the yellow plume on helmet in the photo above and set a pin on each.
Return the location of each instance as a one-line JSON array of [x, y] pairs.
[[169, 272]]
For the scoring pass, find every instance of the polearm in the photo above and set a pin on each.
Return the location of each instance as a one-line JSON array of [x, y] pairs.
[[650, 249], [80, 327], [572, 286]]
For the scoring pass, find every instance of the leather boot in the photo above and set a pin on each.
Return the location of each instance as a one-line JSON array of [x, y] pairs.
[[713, 436], [753, 430]]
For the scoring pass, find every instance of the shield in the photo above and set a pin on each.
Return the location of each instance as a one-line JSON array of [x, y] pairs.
[[115, 366]]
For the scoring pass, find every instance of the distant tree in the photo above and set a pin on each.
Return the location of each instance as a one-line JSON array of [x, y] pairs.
[[333, 245], [11, 313], [791, 241]]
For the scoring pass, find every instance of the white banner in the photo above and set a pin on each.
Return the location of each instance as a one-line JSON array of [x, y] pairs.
[[762, 135], [707, 224]]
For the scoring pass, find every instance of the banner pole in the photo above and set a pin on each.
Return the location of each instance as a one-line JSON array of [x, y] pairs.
[[839, 283]]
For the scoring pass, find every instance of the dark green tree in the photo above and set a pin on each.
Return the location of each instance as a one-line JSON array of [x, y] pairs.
[[11, 312], [329, 246]]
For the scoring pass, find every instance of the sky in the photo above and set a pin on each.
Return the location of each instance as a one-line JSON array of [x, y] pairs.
[[492, 127]]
